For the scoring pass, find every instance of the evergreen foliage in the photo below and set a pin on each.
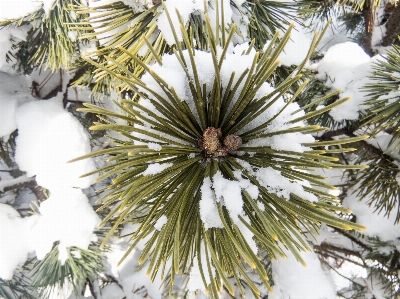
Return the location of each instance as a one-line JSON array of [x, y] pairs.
[[17, 288], [195, 145], [380, 184], [81, 267], [176, 191], [384, 108], [48, 42]]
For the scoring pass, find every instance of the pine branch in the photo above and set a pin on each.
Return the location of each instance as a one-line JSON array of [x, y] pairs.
[[33, 186]]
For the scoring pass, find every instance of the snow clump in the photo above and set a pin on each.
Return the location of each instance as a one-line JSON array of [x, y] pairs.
[[346, 67], [48, 137], [66, 216]]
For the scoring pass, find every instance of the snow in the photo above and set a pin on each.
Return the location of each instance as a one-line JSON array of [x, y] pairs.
[[208, 208], [274, 182], [195, 278], [377, 224], [61, 293], [156, 168], [112, 291], [15, 240], [67, 217], [195, 281], [247, 234], [160, 222], [154, 146], [229, 193], [13, 9], [7, 119], [7, 35], [346, 67], [296, 49], [13, 92], [293, 281], [48, 137], [133, 282], [226, 192]]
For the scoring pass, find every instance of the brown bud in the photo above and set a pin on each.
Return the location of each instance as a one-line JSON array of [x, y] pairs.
[[232, 142], [211, 138]]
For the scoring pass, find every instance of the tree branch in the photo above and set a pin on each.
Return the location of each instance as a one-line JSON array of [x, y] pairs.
[[367, 14], [392, 26]]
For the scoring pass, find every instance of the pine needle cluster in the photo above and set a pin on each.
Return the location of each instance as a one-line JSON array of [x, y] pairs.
[[48, 42], [82, 266], [383, 92], [16, 288], [190, 145], [117, 24]]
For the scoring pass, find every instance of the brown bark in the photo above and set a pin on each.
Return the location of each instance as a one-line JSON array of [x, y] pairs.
[[392, 26], [367, 14]]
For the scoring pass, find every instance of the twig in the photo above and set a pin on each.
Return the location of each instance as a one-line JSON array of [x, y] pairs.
[[352, 238]]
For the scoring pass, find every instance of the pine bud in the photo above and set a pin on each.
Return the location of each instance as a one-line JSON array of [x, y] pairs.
[[211, 138], [232, 142]]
